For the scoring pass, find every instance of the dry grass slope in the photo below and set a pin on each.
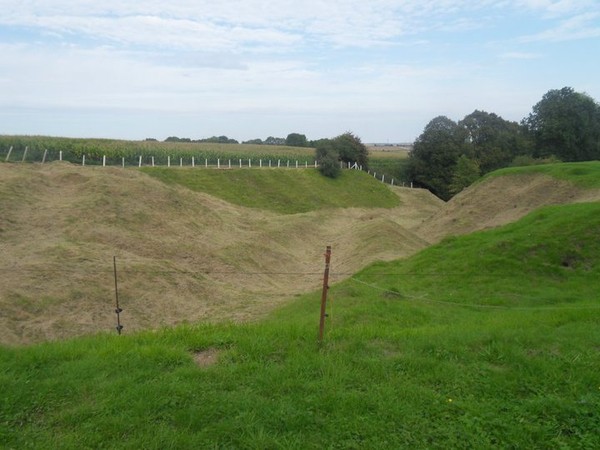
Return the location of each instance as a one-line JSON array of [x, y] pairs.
[[182, 255]]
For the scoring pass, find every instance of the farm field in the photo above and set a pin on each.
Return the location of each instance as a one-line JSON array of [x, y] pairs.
[[389, 162], [472, 323]]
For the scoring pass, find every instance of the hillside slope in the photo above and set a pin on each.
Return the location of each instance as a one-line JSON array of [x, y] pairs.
[[499, 200], [182, 255]]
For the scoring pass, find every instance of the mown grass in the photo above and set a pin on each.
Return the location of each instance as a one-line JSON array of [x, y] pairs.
[[585, 174], [283, 191], [483, 341]]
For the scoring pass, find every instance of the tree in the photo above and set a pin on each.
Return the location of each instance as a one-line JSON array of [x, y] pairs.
[[351, 149], [296, 140], [328, 158], [434, 155], [274, 141], [466, 172], [492, 141], [566, 124]]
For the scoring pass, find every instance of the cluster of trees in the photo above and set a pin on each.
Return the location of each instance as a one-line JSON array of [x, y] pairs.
[[212, 140], [448, 156], [292, 140], [346, 147]]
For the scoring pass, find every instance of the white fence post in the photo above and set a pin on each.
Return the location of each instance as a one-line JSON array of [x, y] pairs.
[[103, 160], [296, 164], [230, 164], [260, 163], [206, 163], [383, 178], [249, 162], [392, 181], [8, 154], [169, 161], [240, 163], [278, 163], [193, 162], [218, 163], [180, 162], [123, 161], [269, 163], [44, 157], [59, 155], [25, 154], [83, 161], [152, 161]]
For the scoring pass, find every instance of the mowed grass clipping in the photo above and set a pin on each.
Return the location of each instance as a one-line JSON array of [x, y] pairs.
[[584, 174], [484, 341], [281, 190]]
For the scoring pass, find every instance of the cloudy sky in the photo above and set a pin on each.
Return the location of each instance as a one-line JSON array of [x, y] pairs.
[[257, 68]]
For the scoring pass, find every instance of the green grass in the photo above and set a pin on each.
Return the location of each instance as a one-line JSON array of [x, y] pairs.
[[484, 341], [584, 174], [283, 191]]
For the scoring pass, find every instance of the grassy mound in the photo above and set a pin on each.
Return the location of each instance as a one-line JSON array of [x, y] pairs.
[[283, 191], [486, 340], [583, 174]]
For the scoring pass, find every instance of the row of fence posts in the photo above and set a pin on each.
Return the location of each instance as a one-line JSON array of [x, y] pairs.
[[206, 163]]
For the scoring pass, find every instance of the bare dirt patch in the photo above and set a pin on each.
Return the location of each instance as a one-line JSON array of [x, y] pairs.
[[206, 358]]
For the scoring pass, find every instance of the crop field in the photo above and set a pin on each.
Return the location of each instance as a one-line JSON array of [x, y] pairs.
[[94, 150], [383, 161]]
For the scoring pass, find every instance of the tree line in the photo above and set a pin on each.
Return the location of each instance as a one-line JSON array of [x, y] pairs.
[[448, 156], [292, 140]]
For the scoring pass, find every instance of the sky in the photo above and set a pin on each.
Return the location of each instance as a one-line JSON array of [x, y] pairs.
[[247, 69]]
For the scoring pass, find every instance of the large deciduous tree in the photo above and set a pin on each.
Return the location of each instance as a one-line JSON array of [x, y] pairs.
[[565, 124], [492, 141], [434, 155]]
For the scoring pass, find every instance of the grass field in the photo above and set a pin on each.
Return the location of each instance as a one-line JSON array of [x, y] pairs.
[[283, 191], [489, 340], [584, 174]]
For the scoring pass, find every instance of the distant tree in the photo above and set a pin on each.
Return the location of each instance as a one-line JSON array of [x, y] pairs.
[[176, 139], [219, 140], [328, 159], [151, 140], [274, 141], [492, 141], [566, 124], [296, 140], [434, 155], [465, 173], [254, 141], [351, 150]]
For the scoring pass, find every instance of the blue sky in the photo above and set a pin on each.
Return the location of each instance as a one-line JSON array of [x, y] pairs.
[[253, 68]]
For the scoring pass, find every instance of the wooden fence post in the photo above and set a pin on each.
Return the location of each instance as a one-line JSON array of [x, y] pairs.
[[324, 294]]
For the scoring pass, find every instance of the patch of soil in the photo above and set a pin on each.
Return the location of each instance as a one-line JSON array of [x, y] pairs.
[[207, 357]]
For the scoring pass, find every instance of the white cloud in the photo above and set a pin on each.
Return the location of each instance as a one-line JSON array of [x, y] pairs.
[[582, 26]]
